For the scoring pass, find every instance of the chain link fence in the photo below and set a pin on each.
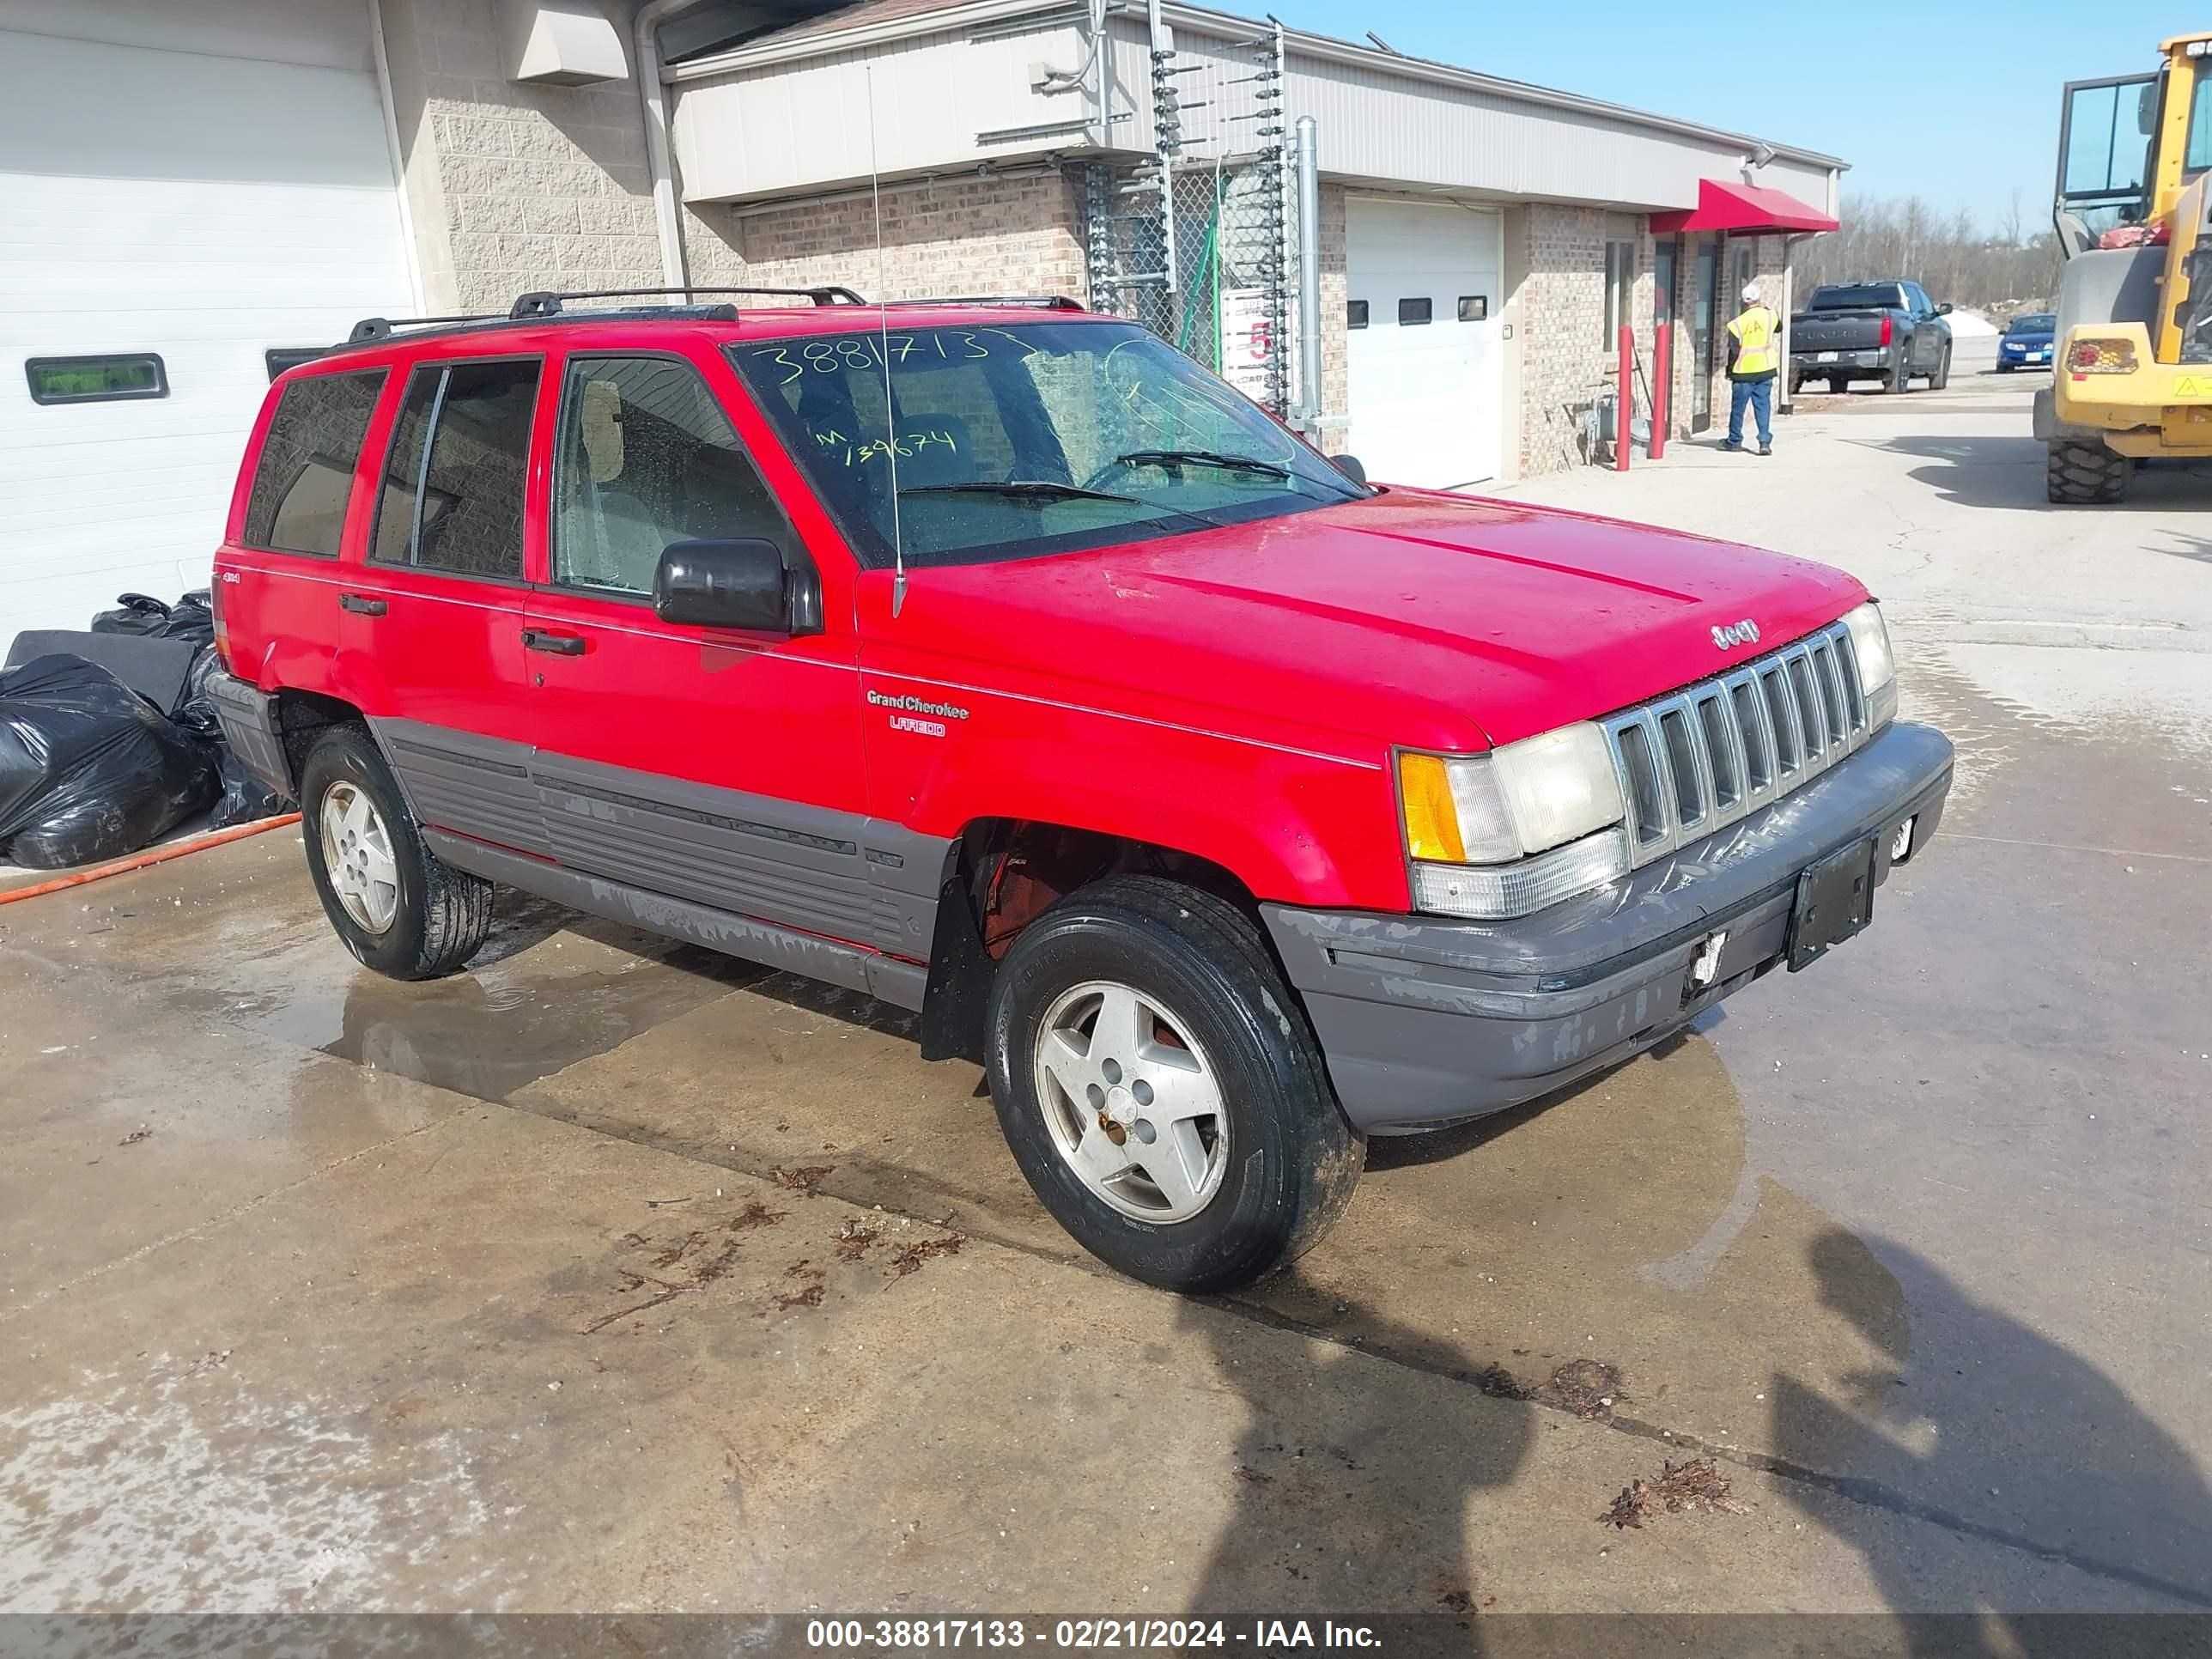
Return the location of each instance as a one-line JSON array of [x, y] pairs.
[[1196, 246]]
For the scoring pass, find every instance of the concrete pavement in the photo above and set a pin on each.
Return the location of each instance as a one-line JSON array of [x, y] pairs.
[[615, 1275]]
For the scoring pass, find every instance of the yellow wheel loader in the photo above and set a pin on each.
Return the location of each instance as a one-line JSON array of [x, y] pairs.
[[2131, 373]]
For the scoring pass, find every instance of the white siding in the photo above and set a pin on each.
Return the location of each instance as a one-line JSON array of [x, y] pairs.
[[204, 207], [813, 124], [783, 122], [1387, 125]]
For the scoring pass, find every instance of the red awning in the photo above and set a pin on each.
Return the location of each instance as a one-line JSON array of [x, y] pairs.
[[1749, 210]]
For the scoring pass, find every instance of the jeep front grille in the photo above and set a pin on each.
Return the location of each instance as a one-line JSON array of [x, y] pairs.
[[1701, 758]]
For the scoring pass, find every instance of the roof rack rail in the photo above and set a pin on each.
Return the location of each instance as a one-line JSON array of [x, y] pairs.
[[382, 328], [545, 302], [1041, 301]]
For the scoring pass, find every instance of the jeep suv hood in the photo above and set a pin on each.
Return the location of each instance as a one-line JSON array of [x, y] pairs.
[[1426, 620]]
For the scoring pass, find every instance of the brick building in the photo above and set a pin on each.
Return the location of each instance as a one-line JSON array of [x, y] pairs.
[[283, 172]]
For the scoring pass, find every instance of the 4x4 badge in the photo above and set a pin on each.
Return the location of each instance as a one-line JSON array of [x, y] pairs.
[[1743, 633]]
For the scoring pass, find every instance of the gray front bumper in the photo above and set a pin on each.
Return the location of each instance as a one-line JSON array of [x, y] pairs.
[[1425, 1022]]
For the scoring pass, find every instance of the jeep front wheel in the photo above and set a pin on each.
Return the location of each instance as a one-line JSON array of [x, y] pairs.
[[1161, 1090]]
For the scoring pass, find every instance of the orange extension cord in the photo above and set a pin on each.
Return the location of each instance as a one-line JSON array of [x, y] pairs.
[[162, 855]]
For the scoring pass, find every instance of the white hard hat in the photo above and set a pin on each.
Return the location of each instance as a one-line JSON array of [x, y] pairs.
[[1751, 294]]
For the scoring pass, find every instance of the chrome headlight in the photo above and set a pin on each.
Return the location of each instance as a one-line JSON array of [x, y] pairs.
[[1510, 832], [1877, 664]]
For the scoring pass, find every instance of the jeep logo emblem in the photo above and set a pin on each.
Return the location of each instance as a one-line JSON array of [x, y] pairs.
[[1735, 634]]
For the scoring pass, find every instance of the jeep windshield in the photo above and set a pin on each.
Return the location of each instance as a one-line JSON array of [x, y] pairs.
[[1009, 440]]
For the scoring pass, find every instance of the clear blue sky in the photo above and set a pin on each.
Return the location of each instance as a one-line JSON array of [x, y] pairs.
[[1956, 100]]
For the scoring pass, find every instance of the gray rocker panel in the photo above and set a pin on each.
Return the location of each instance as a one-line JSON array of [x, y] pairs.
[[838, 874], [900, 983], [460, 780]]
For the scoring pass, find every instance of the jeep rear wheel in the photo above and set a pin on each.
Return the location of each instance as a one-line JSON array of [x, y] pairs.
[[2078, 474], [1159, 1087], [399, 907]]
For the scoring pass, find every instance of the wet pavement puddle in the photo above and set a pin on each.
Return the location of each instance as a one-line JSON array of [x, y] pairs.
[[551, 988]]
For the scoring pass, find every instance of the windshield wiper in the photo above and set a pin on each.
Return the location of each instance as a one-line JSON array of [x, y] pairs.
[[1232, 464], [1201, 458], [1037, 489]]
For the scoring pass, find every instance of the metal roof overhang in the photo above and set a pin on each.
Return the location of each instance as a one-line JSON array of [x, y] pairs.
[[1751, 209]]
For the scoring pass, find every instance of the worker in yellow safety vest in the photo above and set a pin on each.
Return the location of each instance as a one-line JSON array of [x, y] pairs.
[[1754, 357]]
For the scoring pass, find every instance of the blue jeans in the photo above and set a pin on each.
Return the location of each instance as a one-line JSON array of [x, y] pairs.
[[1759, 394]]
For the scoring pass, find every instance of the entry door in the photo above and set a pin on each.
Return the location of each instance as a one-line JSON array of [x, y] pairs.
[[1665, 260], [1425, 283], [1701, 331], [698, 764]]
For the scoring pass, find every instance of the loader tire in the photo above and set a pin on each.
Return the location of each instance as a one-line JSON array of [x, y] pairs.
[[2078, 474]]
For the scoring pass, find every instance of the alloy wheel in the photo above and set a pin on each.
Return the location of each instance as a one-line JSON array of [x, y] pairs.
[[357, 858], [1132, 1105]]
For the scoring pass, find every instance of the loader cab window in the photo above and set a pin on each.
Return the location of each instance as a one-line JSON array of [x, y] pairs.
[[2105, 149], [2197, 156]]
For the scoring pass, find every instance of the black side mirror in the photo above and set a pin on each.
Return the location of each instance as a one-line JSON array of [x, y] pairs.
[[723, 584], [1943, 309], [1349, 465]]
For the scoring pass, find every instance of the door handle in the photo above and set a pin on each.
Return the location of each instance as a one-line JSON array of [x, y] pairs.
[[361, 604], [561, 644]]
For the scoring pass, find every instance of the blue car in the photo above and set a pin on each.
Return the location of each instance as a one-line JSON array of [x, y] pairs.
[[2028, 341]]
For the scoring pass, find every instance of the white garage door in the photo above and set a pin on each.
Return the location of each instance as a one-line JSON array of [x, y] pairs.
[[192, 206], [1427, 380]]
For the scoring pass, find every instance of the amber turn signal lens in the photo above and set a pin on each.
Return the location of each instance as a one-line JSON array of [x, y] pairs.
[[1431, 818]]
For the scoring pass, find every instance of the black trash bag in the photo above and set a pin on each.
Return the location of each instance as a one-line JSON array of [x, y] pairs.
[[89, 768], [195, 712], [134, 613], [245, 798], [191, 618]]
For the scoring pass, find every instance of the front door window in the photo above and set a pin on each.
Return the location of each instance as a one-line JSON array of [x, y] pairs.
[[646, 456]]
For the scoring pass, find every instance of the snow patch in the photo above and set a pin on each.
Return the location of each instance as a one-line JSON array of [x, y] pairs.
[[183, 1492]]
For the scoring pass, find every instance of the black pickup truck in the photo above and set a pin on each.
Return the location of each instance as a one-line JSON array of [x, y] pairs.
[[1886, 331]]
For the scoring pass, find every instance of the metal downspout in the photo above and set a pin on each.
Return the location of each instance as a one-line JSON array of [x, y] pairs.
[[1306, 415], [660, 164], [1101, 74], [398, 156], [1167, 140]]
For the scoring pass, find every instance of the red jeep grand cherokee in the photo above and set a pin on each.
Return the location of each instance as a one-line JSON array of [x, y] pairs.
[[995, 660]]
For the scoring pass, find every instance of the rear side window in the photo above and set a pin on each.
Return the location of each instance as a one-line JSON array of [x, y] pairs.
[[305, 476], [453, 480]]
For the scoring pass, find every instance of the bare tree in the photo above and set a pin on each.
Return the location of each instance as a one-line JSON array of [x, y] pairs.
[[1887, 238]]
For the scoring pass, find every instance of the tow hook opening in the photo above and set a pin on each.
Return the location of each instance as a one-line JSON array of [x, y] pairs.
[[1900, 839], [1705, 965]]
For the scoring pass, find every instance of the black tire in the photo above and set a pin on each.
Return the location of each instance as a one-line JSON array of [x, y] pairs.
[[442, 914], [1942, 377], [2085, 474], [1901, 378], [1840, 385], [1293, 1160], [2004, 368]]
